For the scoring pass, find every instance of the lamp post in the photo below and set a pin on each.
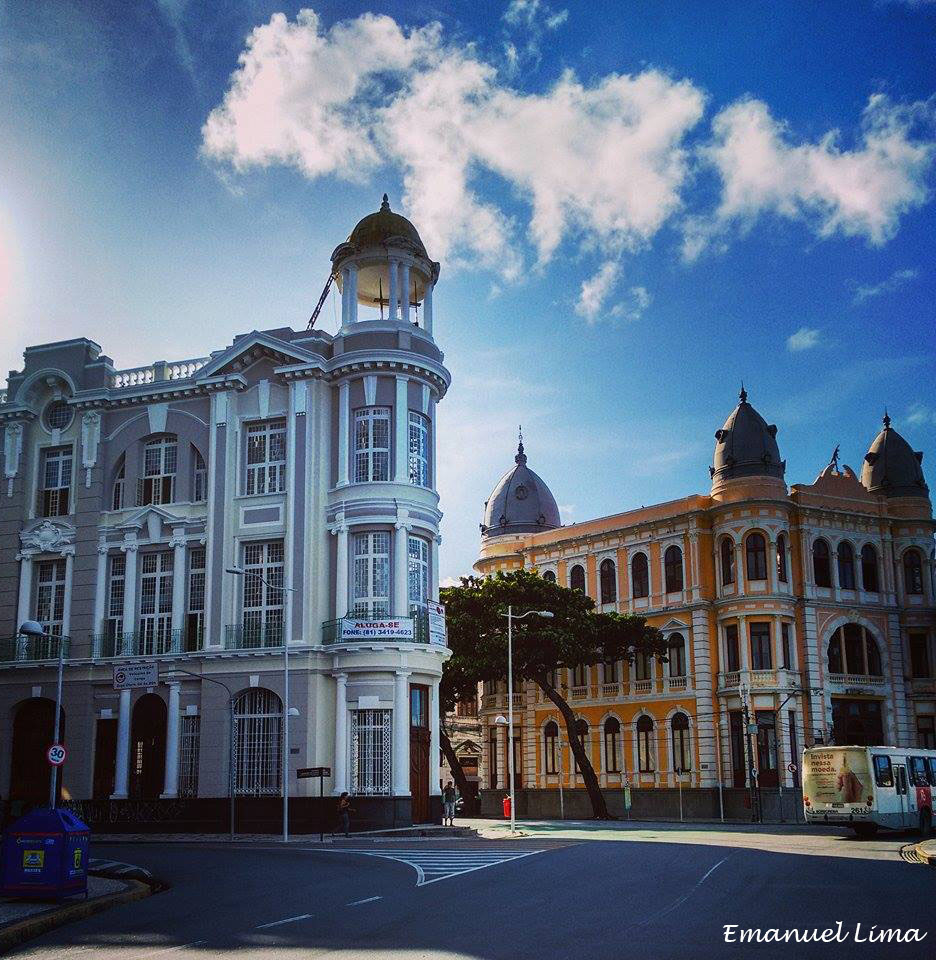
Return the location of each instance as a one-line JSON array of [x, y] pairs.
[[31, 628], [220, 683], [287, 711], [510, 726]]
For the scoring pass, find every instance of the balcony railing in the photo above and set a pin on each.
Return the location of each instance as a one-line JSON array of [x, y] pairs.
[[156, 373], [610, 689], [763, 678], [855, 679], [733, 678], [31, 649], [643, 686], [333, 630], [676, 683], [518, 699], [249, 637], [579, 693], [136, 644]]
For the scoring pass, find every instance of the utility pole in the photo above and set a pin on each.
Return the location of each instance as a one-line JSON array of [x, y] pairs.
[[750, 730]]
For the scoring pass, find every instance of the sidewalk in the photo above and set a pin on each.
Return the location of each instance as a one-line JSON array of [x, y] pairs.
[[581, 829], [428, 831], [24, 919]]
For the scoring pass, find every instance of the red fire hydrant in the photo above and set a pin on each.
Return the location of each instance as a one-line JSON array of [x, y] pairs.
[[507, 807]]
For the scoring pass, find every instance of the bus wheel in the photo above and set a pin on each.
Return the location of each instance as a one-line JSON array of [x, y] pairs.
[[865, 830], [926, 823]]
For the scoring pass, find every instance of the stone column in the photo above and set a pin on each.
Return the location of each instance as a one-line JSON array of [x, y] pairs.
[[778, 643], [342, 602], [744, 644], [772, 564], [24, 604], [435, 741], [405, 292], [393, 307], [178, 587], [401, 431], [401, 755], [740, 570], [833, 563], [345, 296], [100, 590], [427, 308], [129, 605], [344, 431], [352, 296], [171, 779], [122, 760], [69, 554], [340, 779], [434, 544], [400, 569]]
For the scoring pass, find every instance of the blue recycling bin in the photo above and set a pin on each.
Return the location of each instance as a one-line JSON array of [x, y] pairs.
[[45, 856]]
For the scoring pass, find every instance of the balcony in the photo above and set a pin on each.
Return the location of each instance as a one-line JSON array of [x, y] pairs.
[[253, 637], [31, 649], [611, 689], [579, 693], [763, 678], [676, 684], [855, 679], [517, 700], [643, 687], [107, 645], [732, 678]]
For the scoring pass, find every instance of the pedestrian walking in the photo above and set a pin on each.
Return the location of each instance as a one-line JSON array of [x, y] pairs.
[[448, 804], [344, 813]]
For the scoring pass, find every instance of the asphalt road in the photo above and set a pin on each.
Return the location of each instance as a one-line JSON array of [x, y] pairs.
[[665, 895]]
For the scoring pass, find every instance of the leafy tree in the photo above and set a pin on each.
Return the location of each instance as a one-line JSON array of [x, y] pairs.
[[477, 635], [458, 682]]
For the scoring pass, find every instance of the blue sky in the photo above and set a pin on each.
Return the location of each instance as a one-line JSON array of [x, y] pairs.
[[636, 205]]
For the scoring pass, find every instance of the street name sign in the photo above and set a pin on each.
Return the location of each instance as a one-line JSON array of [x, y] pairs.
[[132, 676], [307, 773]]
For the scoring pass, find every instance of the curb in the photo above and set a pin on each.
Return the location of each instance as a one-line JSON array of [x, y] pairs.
[[31, 927], [926, 851]]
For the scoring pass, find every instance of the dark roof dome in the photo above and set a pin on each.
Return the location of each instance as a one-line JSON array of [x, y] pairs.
[[746, 446], [891, 467], [520, 503], [377, 228]]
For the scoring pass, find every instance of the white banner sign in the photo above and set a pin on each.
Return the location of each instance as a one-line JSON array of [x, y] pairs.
[[130, 676], [399, 629], [437, 632]]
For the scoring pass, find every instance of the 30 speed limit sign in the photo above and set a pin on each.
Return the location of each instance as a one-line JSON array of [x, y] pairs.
[[56, 754]]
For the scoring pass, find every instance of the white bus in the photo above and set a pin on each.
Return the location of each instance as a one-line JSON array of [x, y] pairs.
[[869, 787]]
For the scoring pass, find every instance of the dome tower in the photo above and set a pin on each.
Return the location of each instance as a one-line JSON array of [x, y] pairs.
[[892, 468]]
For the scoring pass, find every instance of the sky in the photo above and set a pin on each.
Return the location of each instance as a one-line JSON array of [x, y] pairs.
[[637, 205]]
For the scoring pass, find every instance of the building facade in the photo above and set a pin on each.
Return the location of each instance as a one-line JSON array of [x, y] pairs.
[[271, 504], [791, 617]]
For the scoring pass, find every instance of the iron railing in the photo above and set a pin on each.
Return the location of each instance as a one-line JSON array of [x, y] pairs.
[[331, 629], [136, 644], [248, 637], [31, 649]]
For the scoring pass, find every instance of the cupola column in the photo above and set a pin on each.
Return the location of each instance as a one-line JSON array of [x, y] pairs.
[[400, 565], [394, 293], [401, 439], [405, 291], [353, 300], [427, 308], [345, 296], [344, 431]]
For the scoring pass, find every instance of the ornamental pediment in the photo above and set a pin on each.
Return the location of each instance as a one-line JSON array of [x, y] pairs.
[[247, 350], [47, 535]]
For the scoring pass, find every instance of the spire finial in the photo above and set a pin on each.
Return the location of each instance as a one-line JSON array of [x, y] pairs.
[[521, 456], [386, 203], [742, 396], [886, 420]]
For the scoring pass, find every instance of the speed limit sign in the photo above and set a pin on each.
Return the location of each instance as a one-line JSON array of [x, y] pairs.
[[56, 754]]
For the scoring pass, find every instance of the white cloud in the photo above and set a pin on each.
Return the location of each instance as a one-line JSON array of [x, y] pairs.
[[596, 289], [346, 101], [920, 414], [804, 339], [632, 306], [861, 191], [528, 13], [894, 282]]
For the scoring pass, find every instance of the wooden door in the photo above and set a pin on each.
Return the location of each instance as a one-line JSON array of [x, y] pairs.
[[419, 751]]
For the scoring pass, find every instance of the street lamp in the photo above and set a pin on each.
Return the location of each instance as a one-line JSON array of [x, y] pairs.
[[287, 712], [510, 747], [31, 628]]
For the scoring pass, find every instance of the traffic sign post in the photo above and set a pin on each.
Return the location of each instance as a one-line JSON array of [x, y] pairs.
[[134, 676], [56, 754], [309, 773]]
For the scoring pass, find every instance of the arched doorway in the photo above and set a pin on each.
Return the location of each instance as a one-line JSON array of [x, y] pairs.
[[148, 747], [33, 728]]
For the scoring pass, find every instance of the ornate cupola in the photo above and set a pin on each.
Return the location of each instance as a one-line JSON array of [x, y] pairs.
[[892, 468], [520, 503], [746, 452], [383, 265]]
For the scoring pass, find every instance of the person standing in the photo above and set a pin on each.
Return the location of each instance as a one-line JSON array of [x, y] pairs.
[[344, 813], [448, 804]]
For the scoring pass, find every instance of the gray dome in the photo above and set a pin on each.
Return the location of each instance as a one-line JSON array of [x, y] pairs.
[[746, 446], [521, 503], [891, 468]]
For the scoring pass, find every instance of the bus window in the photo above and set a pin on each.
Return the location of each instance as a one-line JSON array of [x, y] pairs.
[[883, 775], [901, 779], [931, 771], [918, 772]]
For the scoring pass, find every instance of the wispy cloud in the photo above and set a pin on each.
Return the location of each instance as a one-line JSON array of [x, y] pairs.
[[895, 281], [919, 414], [804, 339], [596, 290]]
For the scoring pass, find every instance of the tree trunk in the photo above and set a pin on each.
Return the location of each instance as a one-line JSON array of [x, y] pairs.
[[599, 807], [458, 774]]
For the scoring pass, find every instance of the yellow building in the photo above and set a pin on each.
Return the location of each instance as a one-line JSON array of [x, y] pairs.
[[808, 611]]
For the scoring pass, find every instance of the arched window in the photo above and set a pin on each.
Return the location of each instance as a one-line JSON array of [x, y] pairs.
[[781, 558], [258, 719], [854, 651], [640, 577], [645, 751], [577, 578], [581, 728], [756, 551], [607, 579], [612, 739], [726, 549], [119, 495], [676, 654], [549, 576], [869, 569], [672, 567], [822, 572], [199, 477], [682, 755], [551, 746], [913, 572], [846, 565]]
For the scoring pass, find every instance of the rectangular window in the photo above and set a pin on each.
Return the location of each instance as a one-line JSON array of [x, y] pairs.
[[371, 752], [160, 461], [419, 705], [919, 655], [580, 675], [883, 772], [189, 736], [262, 616], [760, 647], [794, 746], [467, 707], [418, 449], [199, 477], [266, 457], [737, 737], [916, 767], [926, 735], [642, 667], [195, 615], [492, 755], [418, 571], [113, 628], [55, 482], [50, 595], [551, 751], [767, 771], [258, 730], [786, 647], [156, 603], [120, 484], [371, 597], [371, 444], [732, 650]]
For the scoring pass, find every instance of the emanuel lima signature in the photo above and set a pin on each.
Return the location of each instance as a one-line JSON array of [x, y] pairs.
[[733, 934]]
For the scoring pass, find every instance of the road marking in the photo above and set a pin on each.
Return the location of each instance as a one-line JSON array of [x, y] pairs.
[[434, 865], [277, 923], [356, 903], [683, 899], [182, 946]]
